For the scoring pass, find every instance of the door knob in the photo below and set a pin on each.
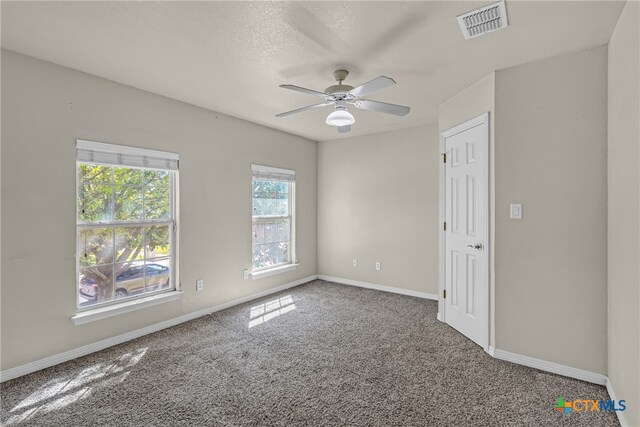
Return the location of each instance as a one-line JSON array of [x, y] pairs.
[[477, 246]]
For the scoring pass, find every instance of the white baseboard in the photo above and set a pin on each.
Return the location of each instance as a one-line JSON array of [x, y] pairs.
[[543, 365], [37, 365], [612, 394], [377, 287]]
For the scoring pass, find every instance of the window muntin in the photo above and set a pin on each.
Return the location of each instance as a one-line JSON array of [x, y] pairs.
[[125, 233], [272, 221]]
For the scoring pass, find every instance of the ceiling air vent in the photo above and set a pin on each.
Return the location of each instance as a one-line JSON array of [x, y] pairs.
[[484, 20]]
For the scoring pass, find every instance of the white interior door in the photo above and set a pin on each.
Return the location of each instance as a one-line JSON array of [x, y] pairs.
[[465, 191]]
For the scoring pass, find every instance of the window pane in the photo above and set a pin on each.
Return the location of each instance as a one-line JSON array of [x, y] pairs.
[[283, 230], [95, 174], [95, 203], [158, 275], [128, 203], [283, 198], [270, 231], [258, 232], [129, 279], [156, 178], [268, 254], [270, 207], [270, 198], [129, 244], [259, 187], [157, 202], [127, 176], [95, 285], [264, 207], [258, 208], [282, 206], [157, 238], [264, 255], [95, 246], [283, 252]]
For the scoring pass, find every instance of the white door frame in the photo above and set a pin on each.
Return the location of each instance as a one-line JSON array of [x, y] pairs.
[[442, 315]]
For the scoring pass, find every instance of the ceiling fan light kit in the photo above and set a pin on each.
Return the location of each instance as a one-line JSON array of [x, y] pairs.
[[340, 95], [340, 117]]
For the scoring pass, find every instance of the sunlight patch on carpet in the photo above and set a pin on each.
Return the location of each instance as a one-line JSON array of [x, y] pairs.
[[262, 313], [63, 391]]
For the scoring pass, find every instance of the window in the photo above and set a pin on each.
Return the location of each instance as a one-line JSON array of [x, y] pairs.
[[273, 217], [125, 223]]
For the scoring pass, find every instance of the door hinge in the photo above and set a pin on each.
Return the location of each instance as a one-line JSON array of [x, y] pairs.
[[444, 157], [444, 294], [445, 226]]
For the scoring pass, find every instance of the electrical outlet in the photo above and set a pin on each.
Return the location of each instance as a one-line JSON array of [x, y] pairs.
[[245, 274], [378, 265], [355, 262], [199, 285]]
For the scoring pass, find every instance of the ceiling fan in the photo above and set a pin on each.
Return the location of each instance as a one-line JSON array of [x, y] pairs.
[[340, 95]]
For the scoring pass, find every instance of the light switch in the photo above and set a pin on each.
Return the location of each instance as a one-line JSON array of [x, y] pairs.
[[516, 211]]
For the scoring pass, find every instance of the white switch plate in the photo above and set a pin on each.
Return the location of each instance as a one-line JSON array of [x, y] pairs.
[[355, 262], [245, 274], [199, 285], [377, 265], [515, 210]]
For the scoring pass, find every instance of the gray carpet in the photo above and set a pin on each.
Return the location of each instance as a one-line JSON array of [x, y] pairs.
[[318, 354]]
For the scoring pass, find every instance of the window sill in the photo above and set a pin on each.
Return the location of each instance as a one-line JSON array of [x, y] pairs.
[[273, 271], [115, 310]]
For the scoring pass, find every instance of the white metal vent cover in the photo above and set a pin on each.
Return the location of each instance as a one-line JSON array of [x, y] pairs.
[[485, 20]]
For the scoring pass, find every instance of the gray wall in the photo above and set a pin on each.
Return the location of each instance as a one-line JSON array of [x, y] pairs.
[[45, 108], [378, 201], [624, 215], [551, 156]]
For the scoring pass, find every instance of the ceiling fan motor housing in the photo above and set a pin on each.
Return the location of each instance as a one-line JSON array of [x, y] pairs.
[[338, 91]]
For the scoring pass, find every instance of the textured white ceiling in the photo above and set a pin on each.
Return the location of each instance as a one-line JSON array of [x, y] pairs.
[[231, 56]]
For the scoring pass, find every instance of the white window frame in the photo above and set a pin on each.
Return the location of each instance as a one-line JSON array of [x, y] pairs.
[[135, 158], [267, 173]]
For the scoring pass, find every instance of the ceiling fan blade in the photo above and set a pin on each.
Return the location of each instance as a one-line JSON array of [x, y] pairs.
[[382, 107], [307, 91], [372, 86], [309, 107], [344, 129]]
